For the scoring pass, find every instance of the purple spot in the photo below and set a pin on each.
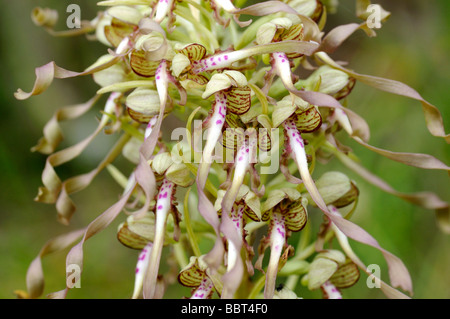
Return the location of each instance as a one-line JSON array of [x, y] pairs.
[[211, 59], [220, 59], [142, 257], [225, 57], [158, 77], [164, 195], [160, 207], [240, 158], [247, 150], [219, 122], [214, 63], [137, 270], [283, 60]]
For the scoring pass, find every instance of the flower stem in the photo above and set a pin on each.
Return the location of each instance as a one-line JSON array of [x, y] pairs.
[[187, 222]]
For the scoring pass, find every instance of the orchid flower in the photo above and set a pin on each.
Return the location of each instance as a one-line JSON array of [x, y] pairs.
[[247, 206], [330, 271], [197, 275], [141, 269], [286, 210], [163, 208], [231, 94], [280, 29]]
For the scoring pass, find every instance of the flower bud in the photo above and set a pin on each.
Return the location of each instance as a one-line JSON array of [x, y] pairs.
[[294, 267], [329, 80], [131, 150], [336, 189], [126, 14], [223, 81], [323, 267], [251, 201], [142, 104], [44, 17], [332, 254], [276, 196], [136, 233], [284, 109], [346, 275], [113, 74], [268, 31], [218, 82], [105, 20], [309, 8], [161, 162], [180, 175], [180, 63], [193, 274]]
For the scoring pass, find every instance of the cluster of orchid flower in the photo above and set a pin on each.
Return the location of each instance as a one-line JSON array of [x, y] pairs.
[[198, 60]]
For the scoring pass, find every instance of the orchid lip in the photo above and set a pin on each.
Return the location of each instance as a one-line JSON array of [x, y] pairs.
[[162, 9], [214, 132], [277, 241], [141, 268], [330, 291], [163, 207], [204, 290]]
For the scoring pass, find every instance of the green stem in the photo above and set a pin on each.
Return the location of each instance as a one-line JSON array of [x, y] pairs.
[[187, 222], [180, 255], [257, 287]]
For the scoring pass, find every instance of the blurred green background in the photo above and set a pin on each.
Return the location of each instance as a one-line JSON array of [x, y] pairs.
[[412, 47]]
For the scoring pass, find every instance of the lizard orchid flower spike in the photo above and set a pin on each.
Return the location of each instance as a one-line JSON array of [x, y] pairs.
[[195, 61], [286, 210]]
